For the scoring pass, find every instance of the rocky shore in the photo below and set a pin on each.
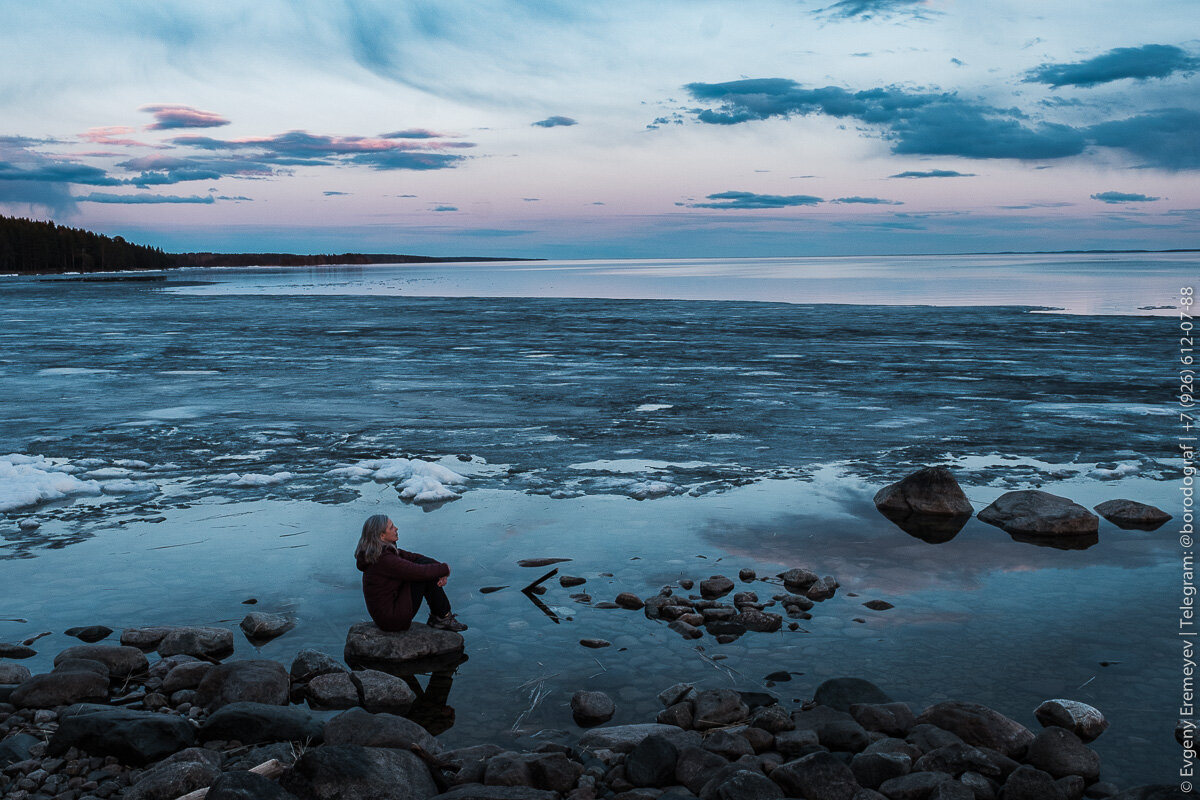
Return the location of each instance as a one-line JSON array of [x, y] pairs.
[[108, 722]]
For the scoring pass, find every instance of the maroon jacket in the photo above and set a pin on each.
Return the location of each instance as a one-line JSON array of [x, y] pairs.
[[387, 586]]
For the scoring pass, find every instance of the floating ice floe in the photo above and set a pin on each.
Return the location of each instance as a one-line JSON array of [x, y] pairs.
[[1114, 473], [253, 479], [419, 481], [108, 472], [29, 480], [648, 490]]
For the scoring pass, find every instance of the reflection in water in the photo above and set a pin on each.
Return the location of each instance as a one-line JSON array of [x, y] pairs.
[[932, 528], [1075, 542], [432, 709]]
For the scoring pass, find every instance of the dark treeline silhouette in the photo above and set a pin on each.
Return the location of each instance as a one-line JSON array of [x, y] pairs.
[[29, 247]]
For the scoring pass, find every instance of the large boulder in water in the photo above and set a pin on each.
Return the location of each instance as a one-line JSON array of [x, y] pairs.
[[928, 504], [1030, 512], [415, 650], [932, 490], [1132, 515]]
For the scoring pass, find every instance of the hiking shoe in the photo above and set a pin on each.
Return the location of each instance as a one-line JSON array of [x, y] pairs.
[[446, 623]]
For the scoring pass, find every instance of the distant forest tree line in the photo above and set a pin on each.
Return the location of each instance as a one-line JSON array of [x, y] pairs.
[[29, 247]]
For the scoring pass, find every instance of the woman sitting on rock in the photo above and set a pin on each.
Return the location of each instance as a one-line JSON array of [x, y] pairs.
[[395, 580]]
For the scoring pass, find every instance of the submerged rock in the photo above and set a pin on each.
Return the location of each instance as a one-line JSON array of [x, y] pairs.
[[1035, 513], [591, 708], [1132, 515], [261, 625], [90, 634]]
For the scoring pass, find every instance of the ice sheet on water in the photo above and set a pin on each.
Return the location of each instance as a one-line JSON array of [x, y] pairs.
[[30, 480]]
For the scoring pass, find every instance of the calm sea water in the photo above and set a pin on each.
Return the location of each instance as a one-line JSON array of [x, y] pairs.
[[224, 431]]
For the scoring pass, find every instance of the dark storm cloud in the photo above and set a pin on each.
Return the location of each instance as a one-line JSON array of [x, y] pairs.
[[555, 122], [1114, 198], [1139, 63], [445, 208], [870, 9], [933, 173], [398, 159], [171, 117], [1165, 138], [138, 199], [915, 122], [742, 200], [873, 201], [335, 194]]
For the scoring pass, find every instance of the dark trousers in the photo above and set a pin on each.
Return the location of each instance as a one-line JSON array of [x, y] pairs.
[[434, 595]]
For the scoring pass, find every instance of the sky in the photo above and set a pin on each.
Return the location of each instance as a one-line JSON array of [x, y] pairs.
[[560, 129]]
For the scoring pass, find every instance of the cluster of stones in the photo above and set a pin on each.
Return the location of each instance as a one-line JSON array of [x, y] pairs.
[[692, 615], [105, 722], [930, 502], [852, 742]]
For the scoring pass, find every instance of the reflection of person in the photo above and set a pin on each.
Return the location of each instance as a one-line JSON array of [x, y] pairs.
[[395, 581]]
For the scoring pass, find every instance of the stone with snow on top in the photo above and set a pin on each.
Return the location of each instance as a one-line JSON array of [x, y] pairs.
[[1032, 512], [1130, 514], [649, 490], [932, 491], [1083, 720], [367, 645]]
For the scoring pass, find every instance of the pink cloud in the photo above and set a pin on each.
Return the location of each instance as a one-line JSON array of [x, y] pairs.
[[110, 135], [168, 117]]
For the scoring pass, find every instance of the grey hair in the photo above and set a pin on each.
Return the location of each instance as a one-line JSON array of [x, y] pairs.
[[370, 546]]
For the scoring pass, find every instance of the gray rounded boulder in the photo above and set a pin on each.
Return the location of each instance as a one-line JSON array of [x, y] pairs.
[[1031, 512]]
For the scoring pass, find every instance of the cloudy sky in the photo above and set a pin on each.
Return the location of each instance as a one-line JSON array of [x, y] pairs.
[[562, 129]]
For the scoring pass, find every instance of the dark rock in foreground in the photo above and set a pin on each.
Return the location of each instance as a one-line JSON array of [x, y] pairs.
[[842, 693], [1132, 515], [254, 681], [260, 722], [343, 771], [980, 726], [1035, 513], [134, 737]]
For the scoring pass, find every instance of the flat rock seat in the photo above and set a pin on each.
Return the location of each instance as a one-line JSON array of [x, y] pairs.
[[418, 649]]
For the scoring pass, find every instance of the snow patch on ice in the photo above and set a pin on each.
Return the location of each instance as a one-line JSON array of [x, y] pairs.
[[29, 480], [254, 479], [419, 481], [1105, 473]]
